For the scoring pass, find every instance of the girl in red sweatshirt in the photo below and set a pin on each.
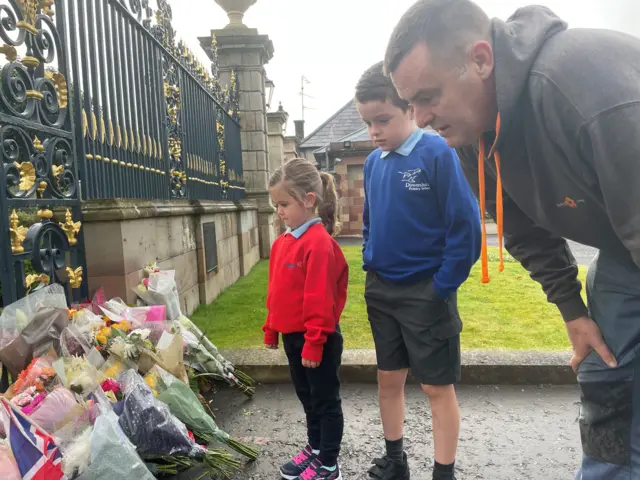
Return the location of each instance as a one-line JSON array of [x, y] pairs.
[[308, 278]]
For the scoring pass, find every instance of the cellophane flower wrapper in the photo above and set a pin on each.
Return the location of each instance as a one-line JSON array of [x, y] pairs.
[[185, 405], [17, 315], [161, 289], [149, 423], [73, 342], [116, 366], [197, 356], [76, 455], [8, 466], [87, 323], [78, 375], [186, 324], [113, 456], [38, 371], [53, 409]]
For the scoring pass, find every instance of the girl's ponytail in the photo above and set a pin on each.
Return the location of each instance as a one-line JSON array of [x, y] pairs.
[[328, 208]]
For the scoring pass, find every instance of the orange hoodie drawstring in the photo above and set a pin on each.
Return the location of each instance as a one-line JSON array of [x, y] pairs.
[[499, 208]]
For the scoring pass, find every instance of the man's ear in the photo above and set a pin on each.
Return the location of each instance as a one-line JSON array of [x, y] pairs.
[[481, 58]]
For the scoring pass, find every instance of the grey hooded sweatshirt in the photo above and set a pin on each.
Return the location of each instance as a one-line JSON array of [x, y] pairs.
[[569, 145]]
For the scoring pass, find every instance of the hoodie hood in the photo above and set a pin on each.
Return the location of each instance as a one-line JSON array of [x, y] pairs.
[[516, 44]]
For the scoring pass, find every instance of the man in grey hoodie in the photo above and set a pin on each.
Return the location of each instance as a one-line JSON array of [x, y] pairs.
[[546, 120]]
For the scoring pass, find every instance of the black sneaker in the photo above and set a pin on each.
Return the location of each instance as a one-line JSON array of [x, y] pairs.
[[385, 469], [298, 464]]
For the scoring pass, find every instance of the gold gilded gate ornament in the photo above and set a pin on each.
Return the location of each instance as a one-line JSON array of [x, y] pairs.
[[70, 228]]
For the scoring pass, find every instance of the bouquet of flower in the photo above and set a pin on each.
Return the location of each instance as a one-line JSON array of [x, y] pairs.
[[202, 355], [130, 346], [38, 374], [158, 435], [49, 410], [160, 289], [77, 374], [73, 342], [103, 452], [185, 405]]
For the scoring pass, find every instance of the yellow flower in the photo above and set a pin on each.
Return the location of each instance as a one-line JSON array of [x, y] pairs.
[[123, 326], [101, 339], [113, 370], [151, 381], [106, 332]]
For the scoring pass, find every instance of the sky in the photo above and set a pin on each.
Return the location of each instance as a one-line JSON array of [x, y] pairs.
[[331, 42]]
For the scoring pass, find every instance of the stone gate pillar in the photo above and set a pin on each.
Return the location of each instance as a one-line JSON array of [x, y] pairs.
[[247, 51]]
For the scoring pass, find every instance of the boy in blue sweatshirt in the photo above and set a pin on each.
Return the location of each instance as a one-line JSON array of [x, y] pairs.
[[422, 235]]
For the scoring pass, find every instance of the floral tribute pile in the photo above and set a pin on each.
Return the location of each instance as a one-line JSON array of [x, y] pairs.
[[107, 391]]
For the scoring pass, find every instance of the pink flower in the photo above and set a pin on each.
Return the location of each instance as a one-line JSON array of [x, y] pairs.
[[110, 385], [28, 410]]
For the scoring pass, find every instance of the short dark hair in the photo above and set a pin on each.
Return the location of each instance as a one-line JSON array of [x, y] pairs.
[[374, 85], [448, 27]]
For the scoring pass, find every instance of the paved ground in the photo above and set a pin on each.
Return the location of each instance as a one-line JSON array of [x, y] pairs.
[[508, 433], [583, 253]]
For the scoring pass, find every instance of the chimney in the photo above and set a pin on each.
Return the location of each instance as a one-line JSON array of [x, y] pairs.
[[299, 129]]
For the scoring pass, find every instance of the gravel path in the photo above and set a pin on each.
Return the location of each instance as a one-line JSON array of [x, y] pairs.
[[508, 433]]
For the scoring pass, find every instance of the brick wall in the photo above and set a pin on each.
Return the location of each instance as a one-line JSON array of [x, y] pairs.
[[349, 178]]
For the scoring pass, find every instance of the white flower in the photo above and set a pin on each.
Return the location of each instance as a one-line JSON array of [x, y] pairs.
[[142, 333]]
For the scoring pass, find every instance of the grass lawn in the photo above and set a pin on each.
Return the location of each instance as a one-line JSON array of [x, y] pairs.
[[510, 312]]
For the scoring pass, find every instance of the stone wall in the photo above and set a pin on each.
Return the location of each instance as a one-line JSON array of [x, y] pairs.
[[121, 237]]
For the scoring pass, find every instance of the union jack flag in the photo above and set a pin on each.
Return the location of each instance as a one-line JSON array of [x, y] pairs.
[[35, 451]]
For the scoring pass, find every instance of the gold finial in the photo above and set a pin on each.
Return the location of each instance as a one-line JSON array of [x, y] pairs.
[[45, 214], [62, 89], [33, 278], [37, 145], [125, 140], [27, 175], [94, 126], [103, 130], [41, 188], [74, 277], [28, 8], [30, 62], [119, 137], [9, 52], [85, 123], [112, 135], [132, 142], [57, 170], [70, 228], [139, 142], [17, 232], [46, 7]]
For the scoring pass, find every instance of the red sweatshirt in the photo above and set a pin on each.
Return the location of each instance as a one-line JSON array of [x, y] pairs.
[[307, 291]]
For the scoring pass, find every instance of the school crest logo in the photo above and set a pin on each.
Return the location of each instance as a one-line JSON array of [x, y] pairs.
[[412, 182]]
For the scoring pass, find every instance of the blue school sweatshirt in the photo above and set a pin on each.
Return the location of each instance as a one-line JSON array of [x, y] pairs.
[[421, 219]]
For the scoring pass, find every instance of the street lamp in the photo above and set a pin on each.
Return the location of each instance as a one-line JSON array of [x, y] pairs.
[[269, 87]]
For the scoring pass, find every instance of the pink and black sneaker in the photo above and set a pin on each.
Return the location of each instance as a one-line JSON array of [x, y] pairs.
[[293, 469], [316, 471]]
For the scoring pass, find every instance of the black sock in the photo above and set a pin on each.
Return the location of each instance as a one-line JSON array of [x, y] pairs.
[[395, 450], [443, 471]]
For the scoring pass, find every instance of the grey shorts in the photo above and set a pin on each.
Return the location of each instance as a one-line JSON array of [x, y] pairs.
[[414, 328]]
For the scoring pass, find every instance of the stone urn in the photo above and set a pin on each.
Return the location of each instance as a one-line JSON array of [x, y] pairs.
[[235, 10]]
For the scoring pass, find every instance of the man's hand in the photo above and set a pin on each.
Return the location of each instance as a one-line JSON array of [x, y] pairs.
[[585, 336], [272, 346], [309, 364]]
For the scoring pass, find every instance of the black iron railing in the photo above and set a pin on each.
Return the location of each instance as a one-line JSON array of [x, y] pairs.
[[98, 101]]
